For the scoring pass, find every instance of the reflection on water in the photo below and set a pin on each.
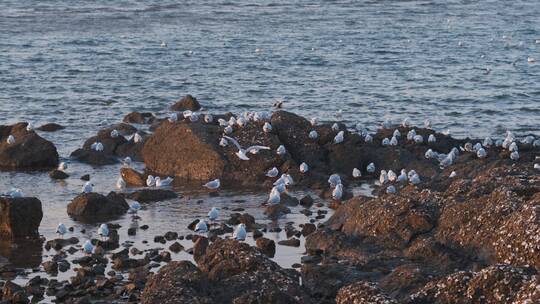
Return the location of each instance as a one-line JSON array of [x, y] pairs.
[[22, 253]]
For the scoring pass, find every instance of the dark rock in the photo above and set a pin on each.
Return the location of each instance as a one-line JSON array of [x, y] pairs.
[[363, 292], [276, 210], [50, 267], [176, 247], [199, 249], [139, 118], [85, 177], [132, 177], [14, 293], [308, 229], [96, 207], [293, 242], [187, 102], [306, 201], [132, 231], [266, 246], [29, 152], [51, 127], [152, 195], [160, 239], [58, 174], [20, 217]]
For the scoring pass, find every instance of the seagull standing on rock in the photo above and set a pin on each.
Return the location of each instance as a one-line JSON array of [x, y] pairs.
[[334, 180], [201, 227], [62, 167], [481, 153], [135, 207], [514, 156], [335, 127], [208, 118], [97, 146], [150, 181], [228, 130], [431, 139], [338, 192], [313, 135], [281, 150], [275, 197], [370, 168], [10, 140], [137, 138], [120, 183], [240, 232], [383, 178], [213, 185], [163, 183], [356, 173], [173, 118], [223, 142], [339, 137], [304, 167], [115, 134], [272, 172], [368, 138], [267, 127], [392, 176], [403, 176], [242, 152], [103, 231]]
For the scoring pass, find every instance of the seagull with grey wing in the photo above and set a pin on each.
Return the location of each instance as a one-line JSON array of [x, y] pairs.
[[242, 152]]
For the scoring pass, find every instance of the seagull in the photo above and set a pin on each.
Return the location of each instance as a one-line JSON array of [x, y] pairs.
[[223, 142], [370, 168], [393, 141], [115, 133], [537, 166], [406, 123], [313, 121], [62, 166], [126, 162], [163, 183], [313, 134], [281, 187], [228, 130], [97, 146], [418, 139], [279, 103], [281, 150], [284, 179], [411, 174], [339, 137], [514, 155], [135, 207], [222, 122], [481, 153], [267, 127], [240, 232], [201, 226], [335, 127], [453, 174], [339, 113], [29, 127], [242, 152], [391, 189], [334, 180], [411, 134], [338, 192], [356, 173], [120, 183], [103, 231], [88, 248], [150, 181], [403, 176], [415, 179], [163, 44], [10, 140], [383, 178], [194, 117], [213, 185], [531, 60], [272, 172], [396, 134], [137, 138], [429, 154], [173, 118], [368, 138], [213, 214], [488, 142], [513, 147], [15, 193], [431, 139], [274, 197], [208, 118], [304, 167], [477, 147], [392, 176], [61, 230], [232, 121], [385, 141], [427, 123], [88, 187], [241, 122]]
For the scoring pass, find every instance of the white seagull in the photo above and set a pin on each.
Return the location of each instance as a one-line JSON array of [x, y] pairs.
[[201, 226], [339, 137], [150, 181], [275, 196], [213, 214], [103, 231], [304, 167], [61, 230], [10, 140], [481, 153], [335, 127], [88, 248], [135, 207], [208, 118], [370, 168], [432, 139], [514, 155], [392, 176], [163, 182], [356, 173], [115, 133], [403, 176], [334, 180], [240, 232], [242, 152], [338, 192], [62, 166], [391, 189], [267, 127], [97, 146], [137, 138], [313, 134], [272, 172], [120, 183], [87, 188], [281, 150], [212, 185], [223, 142], [173, 118]]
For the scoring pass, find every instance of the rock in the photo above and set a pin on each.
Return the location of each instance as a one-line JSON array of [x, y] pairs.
[[14, 293], [306, 201], [187, 102], [266, 246], [199, 249], [159, 239], [94, 157], [85, 177], [139, 118], [58, 244], [94, 207], [176, 247], [132, 231], [57, 174], [152, 195], [132, 177], [20, 217], [293, 242], [190, 152], [288, 200], [308, 229], [276, 210], [362, 292], [29, 152], [50, 267], [171, 236], [51, 127]]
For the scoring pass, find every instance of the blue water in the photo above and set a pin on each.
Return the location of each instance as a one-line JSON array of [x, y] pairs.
[[85, 64]]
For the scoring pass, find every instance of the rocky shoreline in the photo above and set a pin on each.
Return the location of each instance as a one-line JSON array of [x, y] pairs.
[[461, 224]]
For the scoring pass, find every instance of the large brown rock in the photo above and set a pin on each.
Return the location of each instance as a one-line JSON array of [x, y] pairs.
[[132, 177], [94, 207], [191, 153], [363, 292], [29, 152], [20, 217], [187, 102], [229, 272]]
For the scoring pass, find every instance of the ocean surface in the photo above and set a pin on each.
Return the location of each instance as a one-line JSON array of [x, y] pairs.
[[466, 65]]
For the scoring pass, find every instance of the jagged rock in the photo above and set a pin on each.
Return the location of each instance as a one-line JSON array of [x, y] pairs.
[[139, 118], [20, 217], [362, 292], [266, 246], [51, 127], [187, 102], [28, 152], [152, 195], [58, 174]]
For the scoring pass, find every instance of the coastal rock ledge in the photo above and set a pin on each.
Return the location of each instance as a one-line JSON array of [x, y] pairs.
[[20, 217]]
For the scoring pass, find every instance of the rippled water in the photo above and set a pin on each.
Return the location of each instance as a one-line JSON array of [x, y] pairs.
[[85, 64]]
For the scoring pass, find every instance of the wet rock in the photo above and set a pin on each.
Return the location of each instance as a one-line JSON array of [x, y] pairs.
[[187, 102], [14, 293], [152, 195], [51, 127], [176, 247], [306, 201], [288, 200], [132, 231], [245, 218], [58, 174], [199, 249], [50, 267], [94, 157], [29, 152], [276, 210], [308, 229], [132, 177], [363, 292], [191, 152], [266, 246], [139, 118], [58, 244], [85, 177], [159, 239], [171, 236], [20, 217], [293, 242], [63, 266], [94, 207]]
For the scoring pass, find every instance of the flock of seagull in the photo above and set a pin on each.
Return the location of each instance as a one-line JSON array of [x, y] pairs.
[[285, 180]]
